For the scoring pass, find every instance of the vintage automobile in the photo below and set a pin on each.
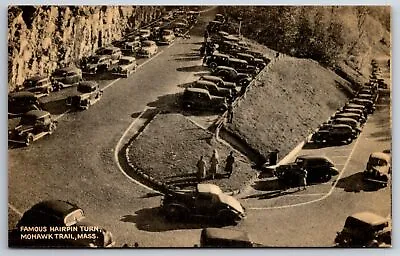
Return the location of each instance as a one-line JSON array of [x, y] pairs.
[[88, 93], [365, 229], [348, 121], [259, 55], [144, 34], [196, 98], [96, 64], [218, 37], [34, 125], [223, 84], [113, 52], [219, 17], [66, 77], [225, 238], [207, 201], [125, 66], [59, 217], [332, 134], [214, 26], [22, 102], [378, 169], [369, 104], [167, 36], [148, 49], [231, 75], [242, 66], [353, 110], [229, 47], [130, 47], [212, 88], [259, 63], [356, 106], [367, 96], [319, 168], [215, 60], [40, 85], [358, 117]]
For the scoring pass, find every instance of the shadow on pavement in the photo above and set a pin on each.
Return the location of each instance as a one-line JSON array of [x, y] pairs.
[[185, 85], [56, 107], [268, 185], [197, 68], [188, 59], [151, 220], [271, 194], [311, 145], [355, 183]]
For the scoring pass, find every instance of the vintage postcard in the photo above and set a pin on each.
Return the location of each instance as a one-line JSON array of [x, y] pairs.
[[199, 126]]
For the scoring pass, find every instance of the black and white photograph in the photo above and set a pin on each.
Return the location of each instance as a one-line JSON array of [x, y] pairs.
[[144, 126]]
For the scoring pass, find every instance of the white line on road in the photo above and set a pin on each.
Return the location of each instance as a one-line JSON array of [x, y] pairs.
[[63, 114], [321, 198], [15, 210], [113, 82], [118, 147]]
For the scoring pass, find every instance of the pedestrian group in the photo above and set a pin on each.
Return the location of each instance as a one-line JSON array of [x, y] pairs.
[[203, 172]]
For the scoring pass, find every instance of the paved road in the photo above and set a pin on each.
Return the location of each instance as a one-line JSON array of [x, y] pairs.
[[76, 163]]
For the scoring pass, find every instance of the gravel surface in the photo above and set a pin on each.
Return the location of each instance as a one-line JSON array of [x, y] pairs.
[[170, 146], [288, 100]]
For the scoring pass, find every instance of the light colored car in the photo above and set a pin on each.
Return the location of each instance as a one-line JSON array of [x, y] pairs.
[[96, 64], [378, 169], [88, 93], [114, 52], [167, 37], [66, 77], [126, 66], [148, 49], [39, 85], [144, 34]]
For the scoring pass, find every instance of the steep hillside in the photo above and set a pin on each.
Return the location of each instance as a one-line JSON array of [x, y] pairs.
[[288, 100], [42, 38]]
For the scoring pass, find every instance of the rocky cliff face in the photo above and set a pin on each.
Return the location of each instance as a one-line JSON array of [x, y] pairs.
[[40, 39]]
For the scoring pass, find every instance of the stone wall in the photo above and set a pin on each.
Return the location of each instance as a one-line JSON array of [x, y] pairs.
[[42, 38]]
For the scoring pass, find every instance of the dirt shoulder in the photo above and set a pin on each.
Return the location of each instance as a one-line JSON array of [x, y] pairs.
[[170, 146], [287, 102]]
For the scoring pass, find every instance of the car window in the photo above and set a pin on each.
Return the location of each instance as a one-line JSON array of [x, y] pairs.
[[27, 120], [73, 217]]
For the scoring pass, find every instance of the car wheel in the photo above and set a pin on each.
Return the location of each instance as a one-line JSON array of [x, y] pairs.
[[213, 65], [52, 127], [227, 217], [188, 106], [29, 139], [175, 213]]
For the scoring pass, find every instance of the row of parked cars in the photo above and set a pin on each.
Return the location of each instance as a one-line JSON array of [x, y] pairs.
[[118, 61], [232, 70]]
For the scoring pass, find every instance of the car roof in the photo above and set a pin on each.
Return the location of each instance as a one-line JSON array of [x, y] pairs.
[[213, 78], [221, 54], [245, 55], [130, 58], [347, 114], [309, 157], [224, 233], [149, 41], [55, 207], [208, 188], [381, 155], [341, 126], [205, 82], [353, 105], [68, 69], [144, 30], [345, 119], [36, 113], [237, 60], [37, 77], [22, 94], [197, 90], [88, 84], [223, 33], [369, 217], [225, 67]]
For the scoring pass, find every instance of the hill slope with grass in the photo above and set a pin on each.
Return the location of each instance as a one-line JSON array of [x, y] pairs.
[[288, 100]]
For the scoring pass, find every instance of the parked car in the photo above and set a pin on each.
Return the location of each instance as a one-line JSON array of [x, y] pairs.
[[130, 47], [207, 201], [40, 85], [88, 93], [215, 60], [196, 98], [148, 49], [34, 125], [229, 47], [144, 34], [367, 96], [259, 55], [356, 106], [223, 84], [369, 104], [353, 110], [259, 63], [348, 121], [214, 26], [96, 64], [319, 168], [358, 117], [219, 17], [59, 215], [126, 66], [66, 77], [22, 102], [225, 238], [243, 67], [212, 88], [378, 169], [337, 133], [114, 53], [167, 36], [365, 229], [231, 75]]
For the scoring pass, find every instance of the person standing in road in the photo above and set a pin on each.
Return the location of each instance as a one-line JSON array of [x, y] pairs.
[[201, 169], [206, 35], [214, 164], [230, 162], [303, 179], [230, 111]]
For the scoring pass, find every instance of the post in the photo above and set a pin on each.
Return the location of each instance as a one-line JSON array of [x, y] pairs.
[[240, 25]]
